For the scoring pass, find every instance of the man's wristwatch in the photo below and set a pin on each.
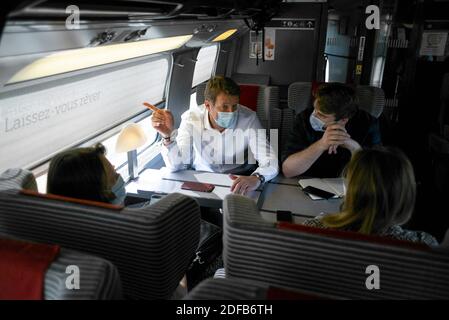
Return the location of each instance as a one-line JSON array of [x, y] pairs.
[[260, 177], [171, 137]]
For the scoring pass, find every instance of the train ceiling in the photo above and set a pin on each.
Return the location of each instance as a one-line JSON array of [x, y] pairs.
[[147, 9]]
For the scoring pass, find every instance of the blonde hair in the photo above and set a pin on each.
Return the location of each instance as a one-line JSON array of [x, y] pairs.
[[381, 192]]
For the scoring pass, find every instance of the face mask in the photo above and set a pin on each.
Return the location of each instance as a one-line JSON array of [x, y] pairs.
[[227, 119], [119, 191], [316, 123]]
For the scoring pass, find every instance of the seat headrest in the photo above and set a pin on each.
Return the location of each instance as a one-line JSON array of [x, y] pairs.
[[49, 196], [23, 273], [371, 100], [200, 93], [17, 178], [300, 96], [248, 78]]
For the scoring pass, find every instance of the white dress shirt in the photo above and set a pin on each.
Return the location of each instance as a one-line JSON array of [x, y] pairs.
[[204, 148]]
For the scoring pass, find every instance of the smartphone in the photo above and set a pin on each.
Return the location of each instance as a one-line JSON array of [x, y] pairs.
[[197, 186], [284, 215], [318, 192]]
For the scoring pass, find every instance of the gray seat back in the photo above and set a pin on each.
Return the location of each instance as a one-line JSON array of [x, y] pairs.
[[371, 99], [299, 99], [228, 289], [267, 104], [243, 289], [200, 93], [326, 262], [98, 278], [300, 96], [16, 178], [152, 246], [248, 78]]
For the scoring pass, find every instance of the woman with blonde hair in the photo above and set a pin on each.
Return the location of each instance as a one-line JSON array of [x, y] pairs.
[[380, 197]]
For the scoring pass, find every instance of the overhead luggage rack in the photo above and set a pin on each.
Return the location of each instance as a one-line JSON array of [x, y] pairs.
[[145, 9]]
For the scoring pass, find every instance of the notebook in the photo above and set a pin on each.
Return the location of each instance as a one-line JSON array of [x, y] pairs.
[[334, 185]]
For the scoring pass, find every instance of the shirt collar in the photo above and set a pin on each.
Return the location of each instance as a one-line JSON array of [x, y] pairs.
[[206, 121]]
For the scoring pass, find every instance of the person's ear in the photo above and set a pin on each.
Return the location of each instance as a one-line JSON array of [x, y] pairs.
[[208, 105]]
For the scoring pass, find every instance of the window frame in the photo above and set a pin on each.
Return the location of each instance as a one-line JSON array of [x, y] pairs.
[[40, 167]]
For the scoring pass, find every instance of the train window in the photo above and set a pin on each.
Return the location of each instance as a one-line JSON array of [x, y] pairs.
[[38, 124], [205, 65], [381, 50], [193, 103], [337, 51]]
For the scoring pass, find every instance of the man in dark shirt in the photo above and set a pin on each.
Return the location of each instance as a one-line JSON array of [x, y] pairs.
[[324, 138]]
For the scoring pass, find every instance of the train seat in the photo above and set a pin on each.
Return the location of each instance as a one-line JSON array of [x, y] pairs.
[[46, 272], [152, 246], [328, 262], [371, 99], [248, 78], [244, 289], [261, 98]]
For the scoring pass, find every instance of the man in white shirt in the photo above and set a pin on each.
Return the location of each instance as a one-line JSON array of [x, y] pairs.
[[216, 138]]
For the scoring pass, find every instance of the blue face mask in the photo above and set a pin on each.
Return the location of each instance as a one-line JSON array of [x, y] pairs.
[[316, 123], [119, 191], [227, 119]]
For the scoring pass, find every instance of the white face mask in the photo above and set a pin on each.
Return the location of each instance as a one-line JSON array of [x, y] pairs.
[[119, 191], [227, 119], [316, 123]]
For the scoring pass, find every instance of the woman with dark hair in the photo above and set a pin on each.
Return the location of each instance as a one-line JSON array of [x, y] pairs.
[[380, 197], [85, 173]]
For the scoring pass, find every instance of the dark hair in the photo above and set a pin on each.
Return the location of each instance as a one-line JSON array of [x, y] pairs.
[[381, 191], [220, 84], [80, 173], [337, 98]]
